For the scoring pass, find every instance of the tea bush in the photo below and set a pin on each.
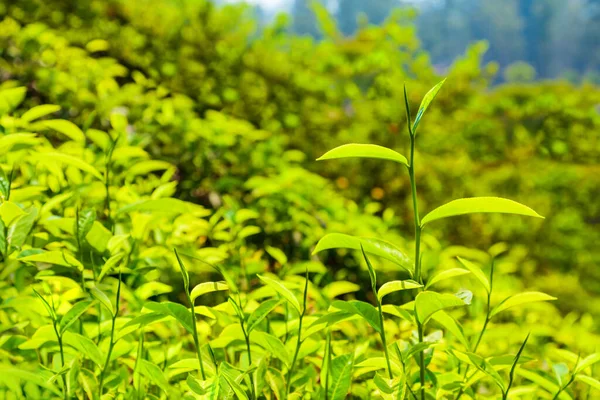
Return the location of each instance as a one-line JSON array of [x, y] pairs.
[[164, 227]]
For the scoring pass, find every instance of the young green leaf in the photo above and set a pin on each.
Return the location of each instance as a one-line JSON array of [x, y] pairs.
[[519, 299], [428, 303], [4, 185], [365, 310], [364, 151], [55, 257], [19, 231], [425, 104], [49, 309], [154, 374], [587, 362], [103, 299], [282, 291], [67, 159], [543, 383], [39, 111], [272, 344], [373, 246], [445, 274], [511, 375], [184, 273], [396, 286], [84, 223], [478, 205], [85, 346], [166, 205], [341, 377], [207, 287], [175, 310], [588, 380], [452, 326], [261, 312], [67, 128], [477, 272], [73, 314]]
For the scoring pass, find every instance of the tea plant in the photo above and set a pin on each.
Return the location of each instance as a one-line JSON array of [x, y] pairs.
[[90, 233]]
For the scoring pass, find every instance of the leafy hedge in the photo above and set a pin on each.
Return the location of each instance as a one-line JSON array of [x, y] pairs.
[[129, 129]]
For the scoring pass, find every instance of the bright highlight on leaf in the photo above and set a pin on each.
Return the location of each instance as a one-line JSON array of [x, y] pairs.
[[396, 286], [475, 205], [207, 287], [364, 151]]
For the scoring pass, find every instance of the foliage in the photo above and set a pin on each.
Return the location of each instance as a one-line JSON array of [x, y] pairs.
[[166, 233]]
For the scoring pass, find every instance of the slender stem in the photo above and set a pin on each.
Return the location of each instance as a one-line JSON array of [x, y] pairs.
[[417, 223], [298, 344], [328, 366], [247, 338], [383, 339], [299, 341], [62, 356], [111, 344], [196, 341]]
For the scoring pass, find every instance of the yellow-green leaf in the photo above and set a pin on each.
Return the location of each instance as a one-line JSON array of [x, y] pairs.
[[428, 303], [207, 287], [395, 286], [364, 151], [519, 299], [65, 127], [474, 205]]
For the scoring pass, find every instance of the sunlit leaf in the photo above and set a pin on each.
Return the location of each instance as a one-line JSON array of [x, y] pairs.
[[73, 314], [445, 274], [365, 310], [207, 287], [39, 111], [261, 312], [396, 286], [282, 291], [69, 160], [427, 99], [478, 205], [364, 151], [520, 299], [65, 127], [341, 376], [372, 246], [428, 303], [477, 273]]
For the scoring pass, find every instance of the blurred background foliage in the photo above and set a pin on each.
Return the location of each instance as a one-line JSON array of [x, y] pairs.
[[241, 110]]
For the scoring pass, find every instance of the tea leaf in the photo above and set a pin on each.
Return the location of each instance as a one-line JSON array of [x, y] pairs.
[[175, 310], [283, 291], [19, 231], [428, 303], [364, 151], [272, 344], [588, 380], [373, 246], [53, 257], [65, 127], [39, 111], [4, 185], [519, 299], [207, 287], [427, 99], [445, 274], [451, 326], [341, 376], [261, 312], [478, 205], [69, 160], [85, 346], [477, 272], [103, 299], [365, 310], [166, 205], [85, 222], [74, 313], [154, 374], [543, 382], [395, 286], [587, 362]]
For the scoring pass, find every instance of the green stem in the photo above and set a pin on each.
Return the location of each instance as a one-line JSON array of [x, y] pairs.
[[383, 339], [111, 344], [196, 341], [417, 223], [298, 344], [247, 338], [62, 357]]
